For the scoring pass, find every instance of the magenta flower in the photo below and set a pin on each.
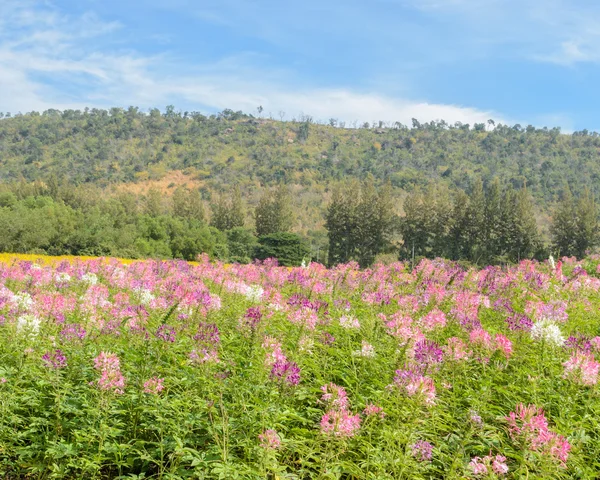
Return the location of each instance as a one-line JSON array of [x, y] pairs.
[[72, 331], [427, 352], [270, 440], [208, 334], [287, 372], [55, 360]]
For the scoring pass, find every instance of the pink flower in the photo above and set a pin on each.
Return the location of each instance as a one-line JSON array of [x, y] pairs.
[[111, 378], [335, 396], [582, 368], [478, 467], [456, 349], [372, 410], [488, 464], [154, 385], [204, 355], [434, 319], [504, 345], [413, 383], [3, 380], [340, 423], [269, 440], [480, 338], [529, 424], [499, 465]]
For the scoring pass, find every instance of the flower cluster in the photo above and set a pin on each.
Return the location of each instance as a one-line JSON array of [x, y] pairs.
[[111, 379], [489, 465], [270, 440], [422, 450], [55, 360], [154, 385], [412, 382], [338, 421], [582, 368], [529, 425]]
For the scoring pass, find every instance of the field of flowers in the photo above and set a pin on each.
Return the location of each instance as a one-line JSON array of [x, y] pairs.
[[170, 370]]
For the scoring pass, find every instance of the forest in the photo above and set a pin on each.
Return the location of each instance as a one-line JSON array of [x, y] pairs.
[[127, 183]]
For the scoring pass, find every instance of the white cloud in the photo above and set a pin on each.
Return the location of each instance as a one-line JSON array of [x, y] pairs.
[[49, 60]]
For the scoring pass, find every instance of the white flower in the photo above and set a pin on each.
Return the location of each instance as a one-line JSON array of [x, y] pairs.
[[254, 293], [144, 295], [348, 321], [28, 324], [551, 261], [62, 277], [367, 350], [90, 278], [548, 331], [22, 300], [306, 344]]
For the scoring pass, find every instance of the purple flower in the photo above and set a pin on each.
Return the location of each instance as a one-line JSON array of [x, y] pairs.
[[208, 333], [579, 343], [72, 331], [251, 319], [55, 360], [518, 321], [428, 352], [287, 372], [166, 333], [422, 450]]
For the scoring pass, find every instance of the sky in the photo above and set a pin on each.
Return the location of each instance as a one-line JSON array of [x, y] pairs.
[[514, 61]]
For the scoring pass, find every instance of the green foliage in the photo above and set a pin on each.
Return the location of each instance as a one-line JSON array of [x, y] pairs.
[[359, 222], [241, 244], [493, 226], [288, 248], [228, 211], [274, 212], [575, 224]]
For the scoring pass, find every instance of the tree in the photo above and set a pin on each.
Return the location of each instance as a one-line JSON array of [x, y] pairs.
[[228, 212], [341, 221], [153, 203], [187, 204], [288, 248], [274, 212], [525, 238], [586, 230], [564, 224], [359, 221]]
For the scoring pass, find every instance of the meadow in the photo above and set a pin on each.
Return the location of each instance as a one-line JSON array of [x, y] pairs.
[[172, 370]]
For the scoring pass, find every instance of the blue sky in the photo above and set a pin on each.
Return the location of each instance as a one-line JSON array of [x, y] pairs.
[[516, 61]]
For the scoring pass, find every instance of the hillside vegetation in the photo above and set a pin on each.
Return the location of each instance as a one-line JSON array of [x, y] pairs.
[[105, 169]]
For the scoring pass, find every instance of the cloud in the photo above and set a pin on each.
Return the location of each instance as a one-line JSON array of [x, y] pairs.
[[52, 60]]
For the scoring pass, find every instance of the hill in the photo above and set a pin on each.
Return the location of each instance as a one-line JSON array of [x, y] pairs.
[[115, 153]]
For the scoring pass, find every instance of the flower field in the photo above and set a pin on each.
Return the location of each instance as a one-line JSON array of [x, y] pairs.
[[172, 370]]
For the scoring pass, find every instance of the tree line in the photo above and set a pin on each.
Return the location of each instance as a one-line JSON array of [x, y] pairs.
[[483, 226], [486, 224]]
